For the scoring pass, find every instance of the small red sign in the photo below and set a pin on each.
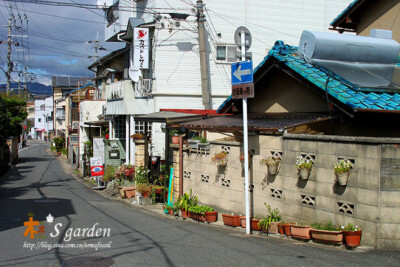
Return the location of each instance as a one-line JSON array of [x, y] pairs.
[[97, 170]]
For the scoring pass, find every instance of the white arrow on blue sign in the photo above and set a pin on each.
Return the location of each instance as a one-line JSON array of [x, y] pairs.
[[242, 72]]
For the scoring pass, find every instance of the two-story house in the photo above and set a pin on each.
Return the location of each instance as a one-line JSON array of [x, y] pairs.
[[179, 54], [61, 87]]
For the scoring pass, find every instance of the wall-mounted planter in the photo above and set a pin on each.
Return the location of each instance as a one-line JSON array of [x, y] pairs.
[[341, 178], [304, 173], [273, 168], [301, 232], [333, 237]]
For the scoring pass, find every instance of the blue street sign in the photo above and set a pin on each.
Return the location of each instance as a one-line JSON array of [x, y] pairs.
[[242, 72]]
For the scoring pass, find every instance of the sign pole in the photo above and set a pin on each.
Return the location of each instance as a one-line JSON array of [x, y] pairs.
[[245, 144]]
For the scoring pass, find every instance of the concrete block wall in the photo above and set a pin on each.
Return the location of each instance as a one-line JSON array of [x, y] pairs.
[[370, 199]]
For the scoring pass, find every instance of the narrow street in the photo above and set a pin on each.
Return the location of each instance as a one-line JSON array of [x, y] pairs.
[[39, 185]]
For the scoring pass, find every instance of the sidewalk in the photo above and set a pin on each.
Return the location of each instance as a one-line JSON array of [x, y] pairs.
[[157, 210]]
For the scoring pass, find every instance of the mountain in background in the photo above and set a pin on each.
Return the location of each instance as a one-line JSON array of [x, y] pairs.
[[34, 88]]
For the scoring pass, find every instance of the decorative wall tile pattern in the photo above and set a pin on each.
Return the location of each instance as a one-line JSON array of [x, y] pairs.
[[345, 208], [276, 193], [205, 178], [308, 200], [187, 174], [226, 149], [225, 182]]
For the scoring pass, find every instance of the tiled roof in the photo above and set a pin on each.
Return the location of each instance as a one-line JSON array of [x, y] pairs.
[[344, 11], [338, 87]]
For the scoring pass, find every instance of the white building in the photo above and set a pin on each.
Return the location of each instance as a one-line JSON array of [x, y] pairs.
[[43, 124], [171, 75]]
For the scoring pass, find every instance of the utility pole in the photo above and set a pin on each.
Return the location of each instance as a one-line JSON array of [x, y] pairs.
[[9, 63], [201, 18], [97, 47]]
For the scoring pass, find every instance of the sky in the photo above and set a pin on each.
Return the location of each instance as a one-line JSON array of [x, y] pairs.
[[56, 42]]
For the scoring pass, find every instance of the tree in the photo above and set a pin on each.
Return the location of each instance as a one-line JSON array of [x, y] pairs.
[[12, 114]]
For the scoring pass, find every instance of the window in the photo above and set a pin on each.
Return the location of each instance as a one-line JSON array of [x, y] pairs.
[[139, 127], [39, 120], [42, 107], [226, 53], [119, 127], [112, 14], [60, 113]]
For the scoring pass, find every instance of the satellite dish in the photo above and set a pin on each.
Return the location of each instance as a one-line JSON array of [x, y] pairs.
[[134, 73]]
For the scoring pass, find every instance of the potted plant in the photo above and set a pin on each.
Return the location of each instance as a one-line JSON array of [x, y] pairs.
[[342, 171], [143, 189], [231, 220], [203, 143], [198, 213], [304, 167], [270, 222], [137, 136], [327, 233], [211, 215], [169, 209], [300, 231], [220, 158], [352, 235], [175, 136], [281, 229], [253, 223], [272, 162], [194, 142], [186, 201]]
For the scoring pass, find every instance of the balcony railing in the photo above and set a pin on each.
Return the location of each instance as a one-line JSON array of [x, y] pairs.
[[143, 88]]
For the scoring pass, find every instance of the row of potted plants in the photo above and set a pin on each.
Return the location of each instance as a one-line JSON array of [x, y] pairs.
[[272, 224], [327, 233], [187, 205]]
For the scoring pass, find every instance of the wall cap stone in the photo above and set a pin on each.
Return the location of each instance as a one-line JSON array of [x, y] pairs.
[[344, 139]]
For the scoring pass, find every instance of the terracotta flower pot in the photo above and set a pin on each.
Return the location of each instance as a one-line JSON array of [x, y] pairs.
[[254, 224], [171, 212], [281, 229], [286, 228], [333, 237], [185, 214], [352, 239], [301, 232], [198, 217], [175, 139], [231, 220], [243, 221], [158, 190], [211, 216], [273, 227], [129, 192]]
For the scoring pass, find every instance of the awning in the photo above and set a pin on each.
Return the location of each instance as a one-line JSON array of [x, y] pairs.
[[256, 122], [168, 117], [97, 123]]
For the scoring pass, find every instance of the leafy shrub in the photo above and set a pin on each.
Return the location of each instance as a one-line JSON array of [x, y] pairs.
[[59, 143], [272, 216], [64, 151], [109, 173], [201, 209]]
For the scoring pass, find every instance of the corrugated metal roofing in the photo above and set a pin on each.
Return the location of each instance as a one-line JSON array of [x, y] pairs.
[[69, 81], [279, 121]]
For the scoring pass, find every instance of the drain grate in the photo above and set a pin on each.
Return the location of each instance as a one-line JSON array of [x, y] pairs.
[[88, 261]]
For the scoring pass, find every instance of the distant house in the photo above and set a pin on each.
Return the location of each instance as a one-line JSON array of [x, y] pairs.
[[363, 15], [43, 117], [61, 86]]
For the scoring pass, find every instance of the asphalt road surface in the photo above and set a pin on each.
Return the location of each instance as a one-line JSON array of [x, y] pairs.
[[87, 229]]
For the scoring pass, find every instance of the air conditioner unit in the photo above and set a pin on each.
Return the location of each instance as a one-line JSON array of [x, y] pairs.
[[75, 125]]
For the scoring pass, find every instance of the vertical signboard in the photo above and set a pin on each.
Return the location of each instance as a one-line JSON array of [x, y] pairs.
[[96, 166], [141, 48]]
